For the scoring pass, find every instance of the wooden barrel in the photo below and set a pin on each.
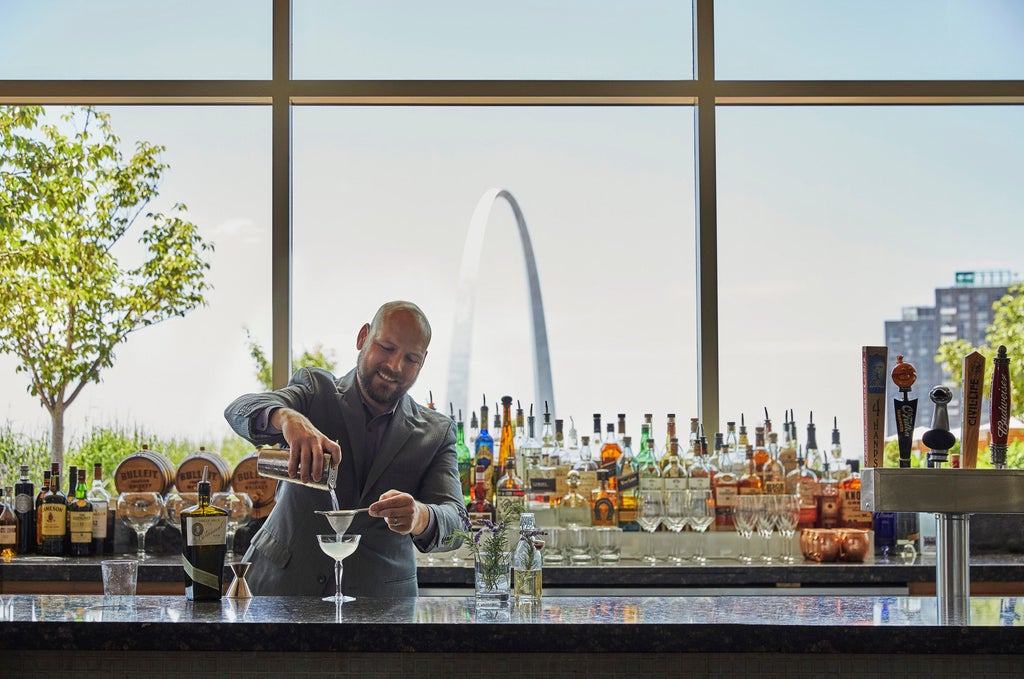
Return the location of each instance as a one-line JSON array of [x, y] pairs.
[[144, 471], [261, 489], [190, 471]]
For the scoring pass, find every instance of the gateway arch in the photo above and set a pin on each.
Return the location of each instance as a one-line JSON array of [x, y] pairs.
[[462, 338]]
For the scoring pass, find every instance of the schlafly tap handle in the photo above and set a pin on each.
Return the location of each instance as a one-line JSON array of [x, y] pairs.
[[999, 418], [903, 376]]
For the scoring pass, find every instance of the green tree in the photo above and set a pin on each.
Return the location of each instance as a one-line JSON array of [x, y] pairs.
[[316, 357], [66, 201], [1007, 329]]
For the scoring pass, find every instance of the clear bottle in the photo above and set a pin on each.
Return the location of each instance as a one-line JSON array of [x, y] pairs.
[[621, 429], [573, 508], [204, 546], [8, 525], [628, 486], [531, 450], [702, 472], [595, 437], [464, 458], [548, 441], [812, 456], [670, 433], [496, 432], [80, 520], [673, 475], [53, 512], [510, 493], [474, 431], [586, 462], [534, 478], [839, 470], [571, 445], [773, 474], [484, 452], [102, 517], [520, 436], [526, 562], [787, 452], [604, 502], [804, 482], [731, 442], [24, 511], [559, 454]]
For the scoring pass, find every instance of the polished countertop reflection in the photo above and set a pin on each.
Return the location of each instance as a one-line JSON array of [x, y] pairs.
[[794, 624]]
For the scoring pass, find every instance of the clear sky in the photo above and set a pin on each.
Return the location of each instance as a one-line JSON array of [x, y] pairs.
[[830, 219]]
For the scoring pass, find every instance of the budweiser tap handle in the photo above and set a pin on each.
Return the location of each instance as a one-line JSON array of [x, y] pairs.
[[999, 417], [974, 378]]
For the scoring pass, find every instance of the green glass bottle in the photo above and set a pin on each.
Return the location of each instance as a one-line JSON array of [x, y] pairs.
[[204, 545], [465, 460]]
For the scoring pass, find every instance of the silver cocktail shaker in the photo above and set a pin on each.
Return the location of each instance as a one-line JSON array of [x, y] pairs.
[[273, 463]]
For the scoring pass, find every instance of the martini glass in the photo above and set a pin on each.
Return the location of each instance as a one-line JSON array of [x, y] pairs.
[[338, 547]]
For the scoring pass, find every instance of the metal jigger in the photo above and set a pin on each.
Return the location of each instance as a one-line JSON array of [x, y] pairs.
[[239, 588], [939, 439], [903, 376]]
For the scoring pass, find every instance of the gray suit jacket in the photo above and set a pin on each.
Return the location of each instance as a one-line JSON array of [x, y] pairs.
[[417, 456]]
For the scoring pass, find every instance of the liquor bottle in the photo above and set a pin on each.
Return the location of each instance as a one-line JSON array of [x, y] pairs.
[[804, 482], [496, 433], [773, 474], [828, 497], [464, 458], [604, 501], [485, 453], [43, 490], [812, 456], [204, 545], [53, 512], [529, 453], [24, 510], [509, 493], [749, 482], [520, 427], [80, 520], [610, 454], [621, 429], [741, 444], [647, 467], [8, 525], [787, 452], [595, 437], [628, 485], [526, 563], [646, 432], [474, 431], [694, 437], [571, 446], [726, 483], [573, 508], [839, 470], [701, 474], [760, 451], [586, 462], [507, 444], [850, 513], [69, 498], [670, 433], [559, 455], [539, 479], [731, 442], [673, 475], [550, 440], [102, 517], [480, 507]]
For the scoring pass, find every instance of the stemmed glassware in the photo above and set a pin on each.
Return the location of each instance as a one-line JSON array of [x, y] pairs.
[[765, 523], [700, 514], [745, 519], [175, 503], [675, 520], [338, 547], [239, 509], [787, 516], [649, 515], [140, 511]]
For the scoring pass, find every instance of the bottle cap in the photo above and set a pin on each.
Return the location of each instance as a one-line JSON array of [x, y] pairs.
[[203, 488]]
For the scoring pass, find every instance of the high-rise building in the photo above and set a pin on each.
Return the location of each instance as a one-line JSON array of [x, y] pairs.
[[963, 311]]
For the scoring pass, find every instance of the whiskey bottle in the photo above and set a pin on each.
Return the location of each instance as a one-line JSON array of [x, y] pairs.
[[80, 520], [204, 546], [773, 474], [510, 493], [787, 452], [604, 502], [726, 483], [480, 507], [610, 453], [850, 513], [53, 513], [573, 508], [464, 459], [749, 482], [102, 516], [526, 562], [760, 451], [701, 473], [485, 452], [804, 482], [43, 490], [8, 525], [828, 498], [24, 511], [507, 444], [670, 433], [673, 475], [628, 486]]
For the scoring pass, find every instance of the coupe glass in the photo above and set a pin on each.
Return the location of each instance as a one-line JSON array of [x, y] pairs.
[[140, 512], [764, 521], [175, 503], [675, 520], [700, 514], [745, 519], [338, 547], [650, 511], [787, 516], [239, 509]]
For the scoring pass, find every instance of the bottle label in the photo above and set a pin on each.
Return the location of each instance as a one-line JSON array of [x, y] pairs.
[[8, 535], [704, 483], [604, 512], [23, 503], [54, 520], [725, 496], [81, 526], [775, 487], [808, 491], [674, 482], [206, 530], [99, 520], [505, 502], [543, 484], [629, 481], [651, 483], [850, 512]]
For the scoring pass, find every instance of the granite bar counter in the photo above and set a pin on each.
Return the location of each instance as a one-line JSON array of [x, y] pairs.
[[597, 636]]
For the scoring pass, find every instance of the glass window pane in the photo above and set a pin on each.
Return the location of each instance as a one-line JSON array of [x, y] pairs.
[[383, 202], [174, 378], [835, 221], [465, 40], [869, 40], [131, 40]]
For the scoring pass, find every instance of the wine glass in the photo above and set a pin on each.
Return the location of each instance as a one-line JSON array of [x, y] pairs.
[[338, 547], [175, 503], [649, 514], [239, 509], [765, 523], [140, 511], [700, 514], [675, 520], [787, 516], [745, 519]]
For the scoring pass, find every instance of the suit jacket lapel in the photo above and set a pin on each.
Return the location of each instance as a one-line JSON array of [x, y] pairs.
[[399, 431], [352, 413]]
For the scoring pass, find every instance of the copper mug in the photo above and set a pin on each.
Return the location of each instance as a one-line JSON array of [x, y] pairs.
[[854, 544], [819, 544]]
